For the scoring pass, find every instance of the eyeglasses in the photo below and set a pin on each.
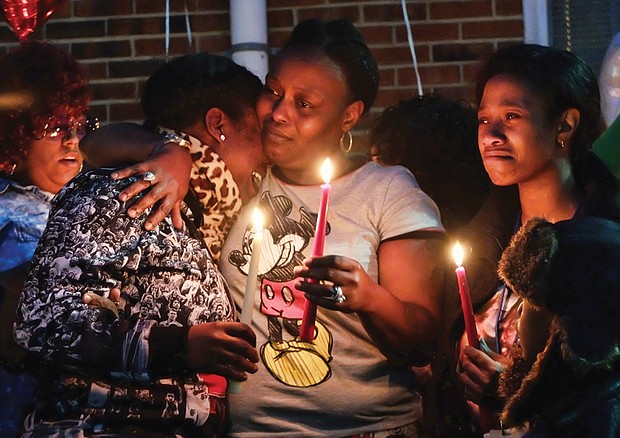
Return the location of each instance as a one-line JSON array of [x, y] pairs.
[[63, 129]]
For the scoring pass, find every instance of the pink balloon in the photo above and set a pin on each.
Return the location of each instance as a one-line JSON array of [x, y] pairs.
[[21, 16]]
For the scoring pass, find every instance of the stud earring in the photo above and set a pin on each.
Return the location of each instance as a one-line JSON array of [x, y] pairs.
[[222, 137]]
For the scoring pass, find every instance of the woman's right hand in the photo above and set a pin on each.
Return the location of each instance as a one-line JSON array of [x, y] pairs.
[[171, 164], [224, 348], [479, 373], [110, 303]]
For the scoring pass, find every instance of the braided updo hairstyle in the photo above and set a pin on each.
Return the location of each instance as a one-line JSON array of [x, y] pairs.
[[339, 41]]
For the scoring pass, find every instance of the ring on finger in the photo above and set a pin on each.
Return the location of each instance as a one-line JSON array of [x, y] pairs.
[[148, 177], [337, 295]]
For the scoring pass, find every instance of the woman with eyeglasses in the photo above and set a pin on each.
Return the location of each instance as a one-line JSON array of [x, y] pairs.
[[43, 102]]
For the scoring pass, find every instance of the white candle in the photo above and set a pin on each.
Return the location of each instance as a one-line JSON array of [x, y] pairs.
[[250, 286]]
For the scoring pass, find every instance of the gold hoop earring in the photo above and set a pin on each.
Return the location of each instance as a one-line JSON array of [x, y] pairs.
[[348, 148]]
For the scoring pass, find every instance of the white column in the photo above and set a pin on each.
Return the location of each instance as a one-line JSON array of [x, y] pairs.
[[248, 33], [536, 21]]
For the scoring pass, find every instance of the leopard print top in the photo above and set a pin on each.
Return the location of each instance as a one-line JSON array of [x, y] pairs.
[[216, 191]]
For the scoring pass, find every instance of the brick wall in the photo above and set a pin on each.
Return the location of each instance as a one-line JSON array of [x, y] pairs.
[[121, 41]]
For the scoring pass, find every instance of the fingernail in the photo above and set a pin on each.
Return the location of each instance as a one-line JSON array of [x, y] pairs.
[[87, 298], [148, 226], [114, 175], [133, 212], [122, 197]]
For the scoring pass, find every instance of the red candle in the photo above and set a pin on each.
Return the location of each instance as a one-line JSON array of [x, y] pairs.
[[487, 417], [468, 311], [307, 324]]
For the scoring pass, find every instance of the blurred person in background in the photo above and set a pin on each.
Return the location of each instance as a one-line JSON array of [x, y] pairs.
[[437, 140]]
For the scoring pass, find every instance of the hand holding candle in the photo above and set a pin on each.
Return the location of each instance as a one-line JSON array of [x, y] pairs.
[[486, 416], [468, 311], [307, 325]]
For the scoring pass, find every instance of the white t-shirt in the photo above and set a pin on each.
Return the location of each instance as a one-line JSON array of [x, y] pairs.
[[339, 384]]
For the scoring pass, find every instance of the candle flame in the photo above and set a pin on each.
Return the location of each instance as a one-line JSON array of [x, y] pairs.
[[457, 252], [258, 220], [326, 171]]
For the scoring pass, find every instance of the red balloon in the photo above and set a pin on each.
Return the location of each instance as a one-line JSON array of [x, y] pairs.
[[24, 16], [21, 16], [47, 8]]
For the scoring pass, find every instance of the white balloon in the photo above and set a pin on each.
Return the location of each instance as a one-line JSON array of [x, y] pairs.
[[609, 81]]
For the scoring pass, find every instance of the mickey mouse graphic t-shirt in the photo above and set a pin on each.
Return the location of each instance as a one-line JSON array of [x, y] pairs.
[[340, 382]]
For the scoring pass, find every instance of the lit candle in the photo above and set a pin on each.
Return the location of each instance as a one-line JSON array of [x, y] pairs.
[[307, 324], [468, 311], [486, 417], [250, 286]]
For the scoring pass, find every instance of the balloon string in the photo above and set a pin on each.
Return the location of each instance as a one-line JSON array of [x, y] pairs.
[[412, 47], [188, 26], [167, 28]]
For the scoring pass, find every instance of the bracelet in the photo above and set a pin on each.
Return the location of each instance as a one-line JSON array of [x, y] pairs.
[[171, 138], [177, 139]]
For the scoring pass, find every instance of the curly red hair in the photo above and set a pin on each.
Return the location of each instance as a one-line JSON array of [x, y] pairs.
[[42, 81]]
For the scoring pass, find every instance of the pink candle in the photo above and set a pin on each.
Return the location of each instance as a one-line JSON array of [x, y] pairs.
[[468, 311], [307, 324]]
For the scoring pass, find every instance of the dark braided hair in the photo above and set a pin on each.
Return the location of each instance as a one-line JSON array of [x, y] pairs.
[[344, 46]]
